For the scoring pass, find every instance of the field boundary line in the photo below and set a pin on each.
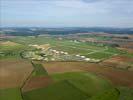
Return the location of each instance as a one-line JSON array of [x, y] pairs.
[[27, 79]]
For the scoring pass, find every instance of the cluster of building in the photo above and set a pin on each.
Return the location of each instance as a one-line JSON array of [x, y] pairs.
[[59, 52], [56, 55], [87, 59]]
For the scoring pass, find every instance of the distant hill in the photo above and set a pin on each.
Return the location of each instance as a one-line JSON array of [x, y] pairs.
[[31, 31]]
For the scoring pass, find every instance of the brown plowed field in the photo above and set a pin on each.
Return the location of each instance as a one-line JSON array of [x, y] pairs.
[[117, 76], [126, 49], [119, 62], [128, 45], [60, 67], [13, 72], [121, 59], [37, 82]]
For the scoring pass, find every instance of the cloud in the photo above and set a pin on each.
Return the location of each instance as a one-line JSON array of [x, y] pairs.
[[65, 12]]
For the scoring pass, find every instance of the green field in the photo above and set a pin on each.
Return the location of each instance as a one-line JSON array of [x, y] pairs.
[[38, 70], [99, 55], [65, 86], [87, 82], [79, 86], [120, 93], [70, 86], [125, 93], [12, 51], [112, 94], [59, 91], [90, 50], [10, 94]]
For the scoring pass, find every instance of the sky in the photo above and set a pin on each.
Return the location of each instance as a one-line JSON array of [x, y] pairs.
[[66, 13]]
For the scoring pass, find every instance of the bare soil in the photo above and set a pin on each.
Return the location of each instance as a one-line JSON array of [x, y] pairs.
[[128, 45], [119, 62], [61, 67], [116, 76], [126, 49], [37, 82], [8, 43], [14, 72]]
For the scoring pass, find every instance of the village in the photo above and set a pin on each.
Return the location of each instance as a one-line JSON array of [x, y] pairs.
[[46, 53]]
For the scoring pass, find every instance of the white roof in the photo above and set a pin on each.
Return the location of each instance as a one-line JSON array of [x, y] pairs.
[[87, 59], [77, 55], [57, 52], [82, 56], [62, 52], [65, 53]]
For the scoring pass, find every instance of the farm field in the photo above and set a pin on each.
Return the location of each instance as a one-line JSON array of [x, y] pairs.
[[60, 68], [66, 49], [38, 70], [72, 48], [56, 92], [14, 72], [37, 79], [117, 76], [10, 94], [10, 50], [37, 82], [87, 82], [112, 94], [122, 62], [78, 83]]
